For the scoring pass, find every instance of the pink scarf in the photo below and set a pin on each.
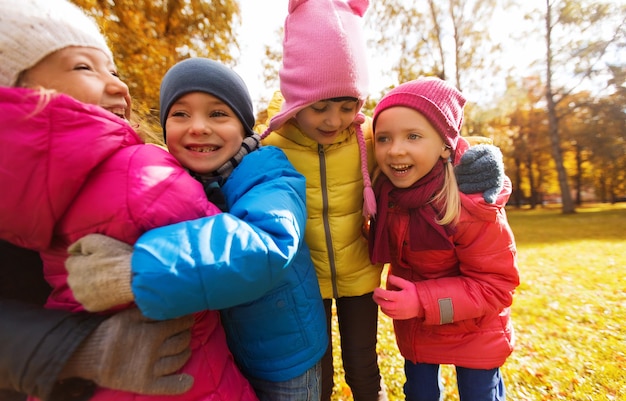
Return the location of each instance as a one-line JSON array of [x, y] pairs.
[[425, 233]]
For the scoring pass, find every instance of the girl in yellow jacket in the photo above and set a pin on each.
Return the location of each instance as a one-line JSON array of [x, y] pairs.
[[318, 125], [315, 119]]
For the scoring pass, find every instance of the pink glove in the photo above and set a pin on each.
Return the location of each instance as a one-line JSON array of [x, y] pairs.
[[400, 301]]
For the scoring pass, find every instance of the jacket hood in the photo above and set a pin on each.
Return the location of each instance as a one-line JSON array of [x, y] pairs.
[[49, 147], [478, 207]]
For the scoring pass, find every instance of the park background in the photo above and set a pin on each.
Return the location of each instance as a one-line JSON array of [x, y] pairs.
[[546, 82], [545, 79]]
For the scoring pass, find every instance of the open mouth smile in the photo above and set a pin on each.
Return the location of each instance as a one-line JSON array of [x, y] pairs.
[[118, 111], [203, 149], [400, 168]]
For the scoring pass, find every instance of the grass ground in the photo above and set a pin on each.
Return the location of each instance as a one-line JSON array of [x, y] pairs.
[[569, 311]]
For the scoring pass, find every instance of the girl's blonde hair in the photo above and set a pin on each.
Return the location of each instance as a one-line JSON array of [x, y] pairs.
[[44, 95], [448, 197]]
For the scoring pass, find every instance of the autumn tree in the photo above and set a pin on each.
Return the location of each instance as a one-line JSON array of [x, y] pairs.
[[517, 122], [148, 37], [606, 146], [450, 39], [614, 115], [554, 138], [580, 39], [583, 133]]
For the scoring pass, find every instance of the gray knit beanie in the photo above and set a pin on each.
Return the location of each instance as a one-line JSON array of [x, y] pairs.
[[207, 76], [32, 29]]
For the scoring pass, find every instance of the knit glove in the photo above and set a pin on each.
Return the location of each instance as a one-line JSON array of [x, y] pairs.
[[99, 272], [481, 170], [130, 352], [400, 300]]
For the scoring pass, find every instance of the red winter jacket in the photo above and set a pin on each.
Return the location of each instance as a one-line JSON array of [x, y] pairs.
[[465, 292], [77, 169]]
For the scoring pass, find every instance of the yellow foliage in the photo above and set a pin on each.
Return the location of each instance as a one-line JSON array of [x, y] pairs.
[[148, 37]]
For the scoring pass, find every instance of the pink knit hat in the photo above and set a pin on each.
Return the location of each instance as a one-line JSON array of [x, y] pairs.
[[324, 55], [441, 103]]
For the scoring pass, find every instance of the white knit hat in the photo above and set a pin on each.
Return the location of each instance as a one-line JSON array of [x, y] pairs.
[[32, 29]]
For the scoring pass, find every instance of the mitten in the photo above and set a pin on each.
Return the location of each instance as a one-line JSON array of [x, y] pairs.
[[99, 272], [130, 352], [399, 300], [481, 170]]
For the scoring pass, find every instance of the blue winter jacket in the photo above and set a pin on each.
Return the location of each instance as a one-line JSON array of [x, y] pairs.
[[252, 263]]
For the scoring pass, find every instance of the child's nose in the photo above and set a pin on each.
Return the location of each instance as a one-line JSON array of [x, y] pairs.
[[199, 126], [396, 148], [116, 86], [333, 119]]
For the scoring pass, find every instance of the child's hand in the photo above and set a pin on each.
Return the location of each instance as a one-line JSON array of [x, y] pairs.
[[132, 353], [481, 170], [99, 273], [401, 302]]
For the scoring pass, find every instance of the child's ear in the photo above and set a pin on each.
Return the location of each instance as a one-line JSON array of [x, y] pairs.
[[446, 152]]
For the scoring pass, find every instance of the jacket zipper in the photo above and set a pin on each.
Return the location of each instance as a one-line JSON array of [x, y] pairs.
[[325, 219]]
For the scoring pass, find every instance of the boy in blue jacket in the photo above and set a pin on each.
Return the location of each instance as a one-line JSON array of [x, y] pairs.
[[250, 262]]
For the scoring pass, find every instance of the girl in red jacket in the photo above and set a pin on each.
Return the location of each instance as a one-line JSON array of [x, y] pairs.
[[452, 256]]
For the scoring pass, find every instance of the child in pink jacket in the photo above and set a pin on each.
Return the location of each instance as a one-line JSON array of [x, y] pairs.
[[80, 169]]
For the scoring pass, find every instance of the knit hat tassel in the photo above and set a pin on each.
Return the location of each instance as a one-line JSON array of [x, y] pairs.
[[369, 199], [265, 133]]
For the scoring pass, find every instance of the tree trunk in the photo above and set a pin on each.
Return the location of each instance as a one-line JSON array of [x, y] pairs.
[[553, 123], [579, 174], [531, 182]]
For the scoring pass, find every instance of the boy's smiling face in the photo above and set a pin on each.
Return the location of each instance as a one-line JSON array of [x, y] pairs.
[[203, 132]]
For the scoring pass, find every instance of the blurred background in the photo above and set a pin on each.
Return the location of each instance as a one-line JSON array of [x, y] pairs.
[[545, 79]]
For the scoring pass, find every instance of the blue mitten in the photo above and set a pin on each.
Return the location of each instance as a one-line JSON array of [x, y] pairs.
[[481, 170]]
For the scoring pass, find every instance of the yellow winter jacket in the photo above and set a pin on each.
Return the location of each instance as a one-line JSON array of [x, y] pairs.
[[334, 192]]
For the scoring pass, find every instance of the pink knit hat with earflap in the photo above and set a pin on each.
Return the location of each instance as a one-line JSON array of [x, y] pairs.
[[324, 57], [441, 103]]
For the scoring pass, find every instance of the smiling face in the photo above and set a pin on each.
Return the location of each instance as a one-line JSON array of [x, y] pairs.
[[84, 73], [322, 121], [203, 132], [406, 145]]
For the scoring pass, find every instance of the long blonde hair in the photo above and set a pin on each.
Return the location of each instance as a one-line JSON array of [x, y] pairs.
[[448, 197], [44, 97]]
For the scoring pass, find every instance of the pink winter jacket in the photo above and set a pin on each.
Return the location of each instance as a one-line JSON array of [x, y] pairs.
[[465, 293], [72, 169]]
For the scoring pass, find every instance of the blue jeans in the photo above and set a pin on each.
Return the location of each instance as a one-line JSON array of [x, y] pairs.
[[305, 387], [423, 383]]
